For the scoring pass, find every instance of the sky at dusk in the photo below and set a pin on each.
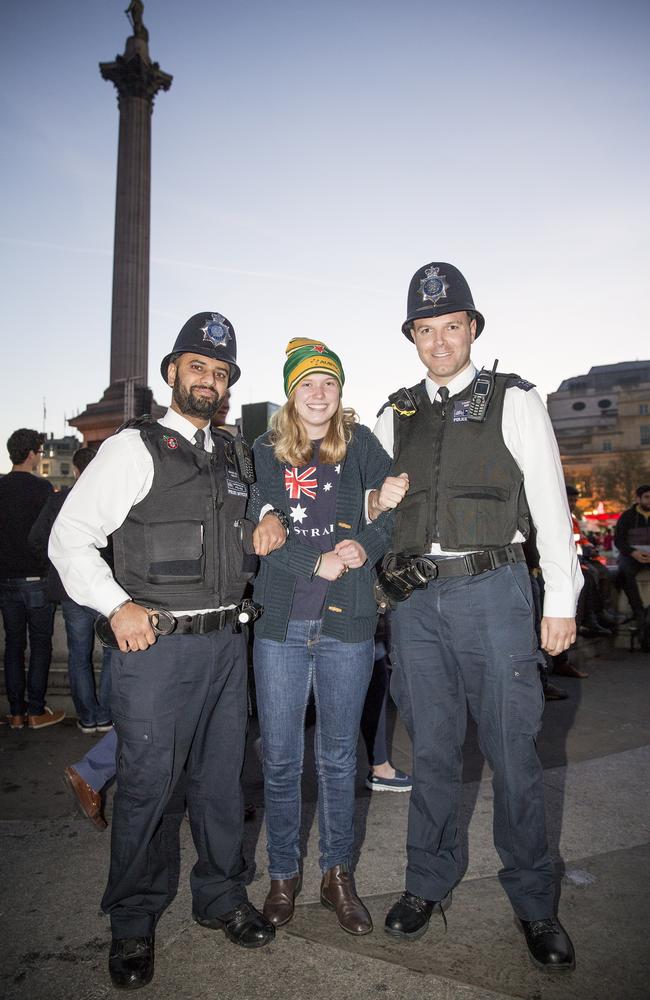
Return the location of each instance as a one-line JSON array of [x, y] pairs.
[[308, 158]]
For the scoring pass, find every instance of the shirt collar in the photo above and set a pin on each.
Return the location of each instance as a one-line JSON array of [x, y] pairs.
[[177, 422], [457, 384]]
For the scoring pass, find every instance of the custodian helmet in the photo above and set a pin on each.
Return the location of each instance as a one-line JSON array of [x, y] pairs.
[[210, 334], [435, 290]]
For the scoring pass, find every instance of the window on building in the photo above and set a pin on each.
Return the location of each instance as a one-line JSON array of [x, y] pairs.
[[604, 404], [645, 433], [643, 409], [578, 406], [65, 468], [45, 468], [607, 445]]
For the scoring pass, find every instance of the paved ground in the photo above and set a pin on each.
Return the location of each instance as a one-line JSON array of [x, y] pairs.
[[596, 753]]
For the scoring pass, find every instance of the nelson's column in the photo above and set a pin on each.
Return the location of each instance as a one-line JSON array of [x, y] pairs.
[[137, 80]]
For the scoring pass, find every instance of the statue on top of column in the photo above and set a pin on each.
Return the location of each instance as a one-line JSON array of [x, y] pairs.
[[134, 13]]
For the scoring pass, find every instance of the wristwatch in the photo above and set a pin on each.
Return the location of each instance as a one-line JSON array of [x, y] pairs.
[[282, 518]]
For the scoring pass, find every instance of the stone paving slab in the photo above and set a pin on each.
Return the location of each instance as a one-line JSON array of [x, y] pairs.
[[482, 946]]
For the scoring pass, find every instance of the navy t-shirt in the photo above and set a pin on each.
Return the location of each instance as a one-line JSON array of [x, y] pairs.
[[312, 491]]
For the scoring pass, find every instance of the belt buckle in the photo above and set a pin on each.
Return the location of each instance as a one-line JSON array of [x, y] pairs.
[[470, 564], [198, 624]]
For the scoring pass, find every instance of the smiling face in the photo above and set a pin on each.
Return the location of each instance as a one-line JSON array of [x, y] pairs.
[[443, 344], [316, 399], [198, 385]]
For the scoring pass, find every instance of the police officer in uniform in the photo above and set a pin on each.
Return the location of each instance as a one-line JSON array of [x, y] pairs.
[[475, 459], [172, 497]]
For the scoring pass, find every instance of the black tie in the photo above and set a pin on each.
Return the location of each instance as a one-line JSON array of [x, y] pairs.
[[443, 392], [199, 439]]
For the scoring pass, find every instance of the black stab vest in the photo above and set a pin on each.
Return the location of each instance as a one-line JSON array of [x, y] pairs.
[[466, 490], [181, 547]]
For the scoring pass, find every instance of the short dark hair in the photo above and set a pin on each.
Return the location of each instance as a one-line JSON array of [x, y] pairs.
[[22, 442], [469, 312], [82, 458], [643, 489]]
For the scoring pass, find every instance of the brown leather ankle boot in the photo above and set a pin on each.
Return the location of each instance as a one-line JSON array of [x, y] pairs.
[[337, 892], [279, 903]]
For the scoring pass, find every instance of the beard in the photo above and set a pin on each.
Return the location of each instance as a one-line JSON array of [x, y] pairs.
[[194, 406]]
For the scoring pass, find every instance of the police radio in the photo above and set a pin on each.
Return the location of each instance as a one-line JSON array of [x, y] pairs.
[[244, 460], [481, 394]]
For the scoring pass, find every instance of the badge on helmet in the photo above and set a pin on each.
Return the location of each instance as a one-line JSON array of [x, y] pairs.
[[435, 290]]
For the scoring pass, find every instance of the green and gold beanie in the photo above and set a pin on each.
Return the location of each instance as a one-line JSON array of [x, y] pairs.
[[305, 356]]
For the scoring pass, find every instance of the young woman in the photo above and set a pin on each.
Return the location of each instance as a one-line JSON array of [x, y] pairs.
[[316, 633]]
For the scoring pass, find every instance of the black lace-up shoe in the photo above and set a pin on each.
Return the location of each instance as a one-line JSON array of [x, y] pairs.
[[244, 926], [409, 916], [130, 962], [549, 945]]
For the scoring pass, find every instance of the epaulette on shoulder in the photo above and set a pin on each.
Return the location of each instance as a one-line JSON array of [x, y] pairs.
[[517, 382], [404, 402], [221, 434], [136, 422]]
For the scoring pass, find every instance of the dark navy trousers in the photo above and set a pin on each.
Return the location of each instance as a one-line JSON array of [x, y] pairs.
[[470, 642], [180, 714]]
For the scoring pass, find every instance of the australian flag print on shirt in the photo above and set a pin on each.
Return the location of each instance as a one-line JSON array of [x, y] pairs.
[[311, 491]]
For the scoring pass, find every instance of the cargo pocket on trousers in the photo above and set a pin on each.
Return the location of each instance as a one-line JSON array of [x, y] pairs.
[[526, 694], [142, 766]]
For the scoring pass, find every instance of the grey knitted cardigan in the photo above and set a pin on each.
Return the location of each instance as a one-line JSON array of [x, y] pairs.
[[350, 611]]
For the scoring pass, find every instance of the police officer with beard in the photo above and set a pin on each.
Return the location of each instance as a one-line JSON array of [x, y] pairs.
[[475, 459], [172, 496]]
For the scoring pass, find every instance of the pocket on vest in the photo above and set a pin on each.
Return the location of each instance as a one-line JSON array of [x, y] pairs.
[[175, 552], [477, 516], [411, 523]]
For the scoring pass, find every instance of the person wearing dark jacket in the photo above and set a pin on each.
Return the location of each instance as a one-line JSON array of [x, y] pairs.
[[632, 539], [316, 633], [26, 609], [92, 707]]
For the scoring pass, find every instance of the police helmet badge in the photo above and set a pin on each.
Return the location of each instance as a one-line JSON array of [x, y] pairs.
[[216, 330], [433, 286]]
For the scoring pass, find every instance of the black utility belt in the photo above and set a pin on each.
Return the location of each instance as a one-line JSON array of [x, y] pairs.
[[400, 575], [165, 623], [22, 579], [475, 563], [209, 621]]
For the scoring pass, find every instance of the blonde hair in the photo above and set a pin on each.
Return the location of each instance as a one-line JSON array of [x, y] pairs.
[[291, 443]]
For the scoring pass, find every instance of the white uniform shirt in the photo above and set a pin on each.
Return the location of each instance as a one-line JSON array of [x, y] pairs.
[[119, 477], [528, 436]]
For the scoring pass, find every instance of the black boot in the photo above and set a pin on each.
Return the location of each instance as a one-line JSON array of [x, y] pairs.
[[549, 945], [130, 962]]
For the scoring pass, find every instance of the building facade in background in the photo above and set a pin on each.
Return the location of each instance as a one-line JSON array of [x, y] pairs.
[[56, 463], [602, 424]]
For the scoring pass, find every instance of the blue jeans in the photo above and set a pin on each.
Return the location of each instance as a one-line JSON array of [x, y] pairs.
[[91, 708], [98, 766], [26, 609], [285, 673]]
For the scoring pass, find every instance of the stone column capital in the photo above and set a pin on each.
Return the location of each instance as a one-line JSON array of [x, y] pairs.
[[135, 77]]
